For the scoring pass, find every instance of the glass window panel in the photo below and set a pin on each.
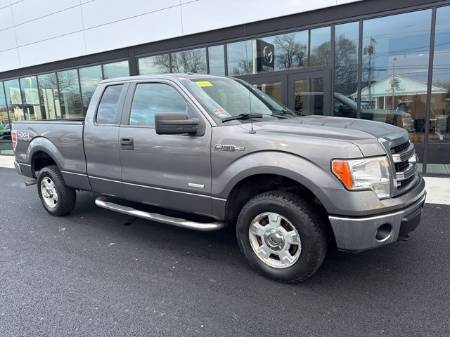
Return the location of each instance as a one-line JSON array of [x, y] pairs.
[[48, 94], [108, 112], [216, 60], [30, 98], [5, 126], [89, 78], [273, 89], [69, 93], [14, 100], [395, 71], [346, 70], [240, 58], [320, 46], [116, 69], [289, 51], [189, 61], [159, 64], [308, 96], [438, 157], [150, 98]]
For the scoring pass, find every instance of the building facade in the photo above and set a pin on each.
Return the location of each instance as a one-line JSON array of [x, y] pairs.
[[384, 60]]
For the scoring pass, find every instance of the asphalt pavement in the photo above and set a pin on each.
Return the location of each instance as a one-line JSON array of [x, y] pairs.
[[99, 273]]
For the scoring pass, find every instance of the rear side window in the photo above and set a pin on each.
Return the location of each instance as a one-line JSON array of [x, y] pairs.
[[151, 98], [108, 111]]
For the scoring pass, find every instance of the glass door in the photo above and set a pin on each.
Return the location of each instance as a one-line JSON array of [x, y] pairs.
[[309, 93]]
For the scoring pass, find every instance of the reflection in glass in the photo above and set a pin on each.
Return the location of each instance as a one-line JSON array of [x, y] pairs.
[[30, 97], [48, 94], [290, 50], [438, 157], [108, 112], [189, 61], [116, 69], [89, 78], [308, 96], [272, 89], [14, 100], [216, 60], [159, 64], [346, 70], [395, 70], [5, 125], [69, 93], [320, 46], [240, 58]]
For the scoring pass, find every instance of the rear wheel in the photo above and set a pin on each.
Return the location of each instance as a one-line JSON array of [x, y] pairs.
[[56, 197], [281, 237]]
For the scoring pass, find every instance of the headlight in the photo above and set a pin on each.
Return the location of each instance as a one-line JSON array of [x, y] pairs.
[[363, 174]]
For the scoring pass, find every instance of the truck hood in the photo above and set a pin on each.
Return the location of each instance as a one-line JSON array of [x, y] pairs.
[[339, 128]]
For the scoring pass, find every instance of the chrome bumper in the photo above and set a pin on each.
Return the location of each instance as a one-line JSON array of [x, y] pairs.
[[356, 234]]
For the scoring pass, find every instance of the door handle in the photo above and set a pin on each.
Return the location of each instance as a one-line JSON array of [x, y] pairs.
[[127, 143]]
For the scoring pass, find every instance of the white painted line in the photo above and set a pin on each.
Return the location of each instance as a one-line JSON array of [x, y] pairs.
[[438, 190], [7, 161]]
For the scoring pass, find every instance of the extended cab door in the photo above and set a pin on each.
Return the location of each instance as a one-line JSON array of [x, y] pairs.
[[170, 171], [101, 139]]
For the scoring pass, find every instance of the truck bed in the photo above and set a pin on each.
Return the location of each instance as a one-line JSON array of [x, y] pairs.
[[62, 139]]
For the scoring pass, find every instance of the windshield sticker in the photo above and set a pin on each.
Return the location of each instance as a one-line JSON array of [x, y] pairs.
[[221, 113], [204, 84]]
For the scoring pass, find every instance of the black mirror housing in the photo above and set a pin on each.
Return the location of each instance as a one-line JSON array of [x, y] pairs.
[[175, 123]]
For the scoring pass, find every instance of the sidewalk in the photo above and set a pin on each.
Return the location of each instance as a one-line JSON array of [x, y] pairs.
[[438, 189], [7, 161]]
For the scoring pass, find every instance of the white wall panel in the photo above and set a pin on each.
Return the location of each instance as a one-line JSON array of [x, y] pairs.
[[100, 12], [151, 27], [9, 60], [60, 48], [27, 10], [6, 18], [48, 27], [7, 39], [213, 14]]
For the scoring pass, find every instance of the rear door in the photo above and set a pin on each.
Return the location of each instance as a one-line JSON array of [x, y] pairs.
[[170, 171], [101, 139]]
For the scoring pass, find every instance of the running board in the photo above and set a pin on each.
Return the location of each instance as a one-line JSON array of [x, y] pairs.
[[104, 202]]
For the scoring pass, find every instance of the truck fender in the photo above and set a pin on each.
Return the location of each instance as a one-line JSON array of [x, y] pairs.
[[42, 144], [288, 165]]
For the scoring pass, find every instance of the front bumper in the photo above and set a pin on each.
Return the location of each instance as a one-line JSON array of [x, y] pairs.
[[362, 233]]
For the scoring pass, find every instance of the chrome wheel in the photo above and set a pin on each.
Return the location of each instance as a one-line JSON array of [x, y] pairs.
[[274, 240], [48, 192]]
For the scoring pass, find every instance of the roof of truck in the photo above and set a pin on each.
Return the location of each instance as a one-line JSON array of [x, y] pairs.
[[177, 76]]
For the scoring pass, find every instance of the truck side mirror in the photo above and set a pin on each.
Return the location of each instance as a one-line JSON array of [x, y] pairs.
[[174, 123]]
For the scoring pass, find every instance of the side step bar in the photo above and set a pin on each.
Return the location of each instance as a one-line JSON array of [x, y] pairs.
[[104, 202]]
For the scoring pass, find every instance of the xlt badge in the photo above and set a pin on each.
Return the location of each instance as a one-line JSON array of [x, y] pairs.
[[229, 148]]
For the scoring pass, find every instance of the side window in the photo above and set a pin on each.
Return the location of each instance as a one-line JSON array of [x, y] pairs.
[[108, 111], [151, 98]]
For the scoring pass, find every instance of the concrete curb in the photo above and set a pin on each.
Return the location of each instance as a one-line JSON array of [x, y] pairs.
[[438, 189]]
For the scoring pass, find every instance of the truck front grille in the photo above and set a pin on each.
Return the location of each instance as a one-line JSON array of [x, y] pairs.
[[404, 158]]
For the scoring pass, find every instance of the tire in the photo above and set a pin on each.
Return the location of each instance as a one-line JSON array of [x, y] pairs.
[[300, 248], [50, 183]]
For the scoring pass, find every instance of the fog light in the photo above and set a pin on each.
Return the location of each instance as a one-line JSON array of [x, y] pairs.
[[384, 232]]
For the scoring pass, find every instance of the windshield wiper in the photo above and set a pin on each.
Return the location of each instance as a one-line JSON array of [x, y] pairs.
[[241, 116]]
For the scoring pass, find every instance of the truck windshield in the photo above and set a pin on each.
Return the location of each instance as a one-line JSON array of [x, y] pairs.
[[226, 97]]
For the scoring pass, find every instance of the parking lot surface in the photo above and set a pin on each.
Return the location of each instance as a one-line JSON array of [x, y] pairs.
[[98, 273]]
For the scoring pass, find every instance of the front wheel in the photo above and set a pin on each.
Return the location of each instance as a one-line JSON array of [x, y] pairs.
[[56, 197], [281, 237]]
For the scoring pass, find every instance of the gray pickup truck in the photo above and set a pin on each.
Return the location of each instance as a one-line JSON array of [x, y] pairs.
[[203, 152]]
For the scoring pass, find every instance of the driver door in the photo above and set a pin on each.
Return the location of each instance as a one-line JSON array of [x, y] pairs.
[[169, 171]]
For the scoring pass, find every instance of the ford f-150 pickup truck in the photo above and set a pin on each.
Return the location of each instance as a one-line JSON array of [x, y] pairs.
[[204, 152]]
